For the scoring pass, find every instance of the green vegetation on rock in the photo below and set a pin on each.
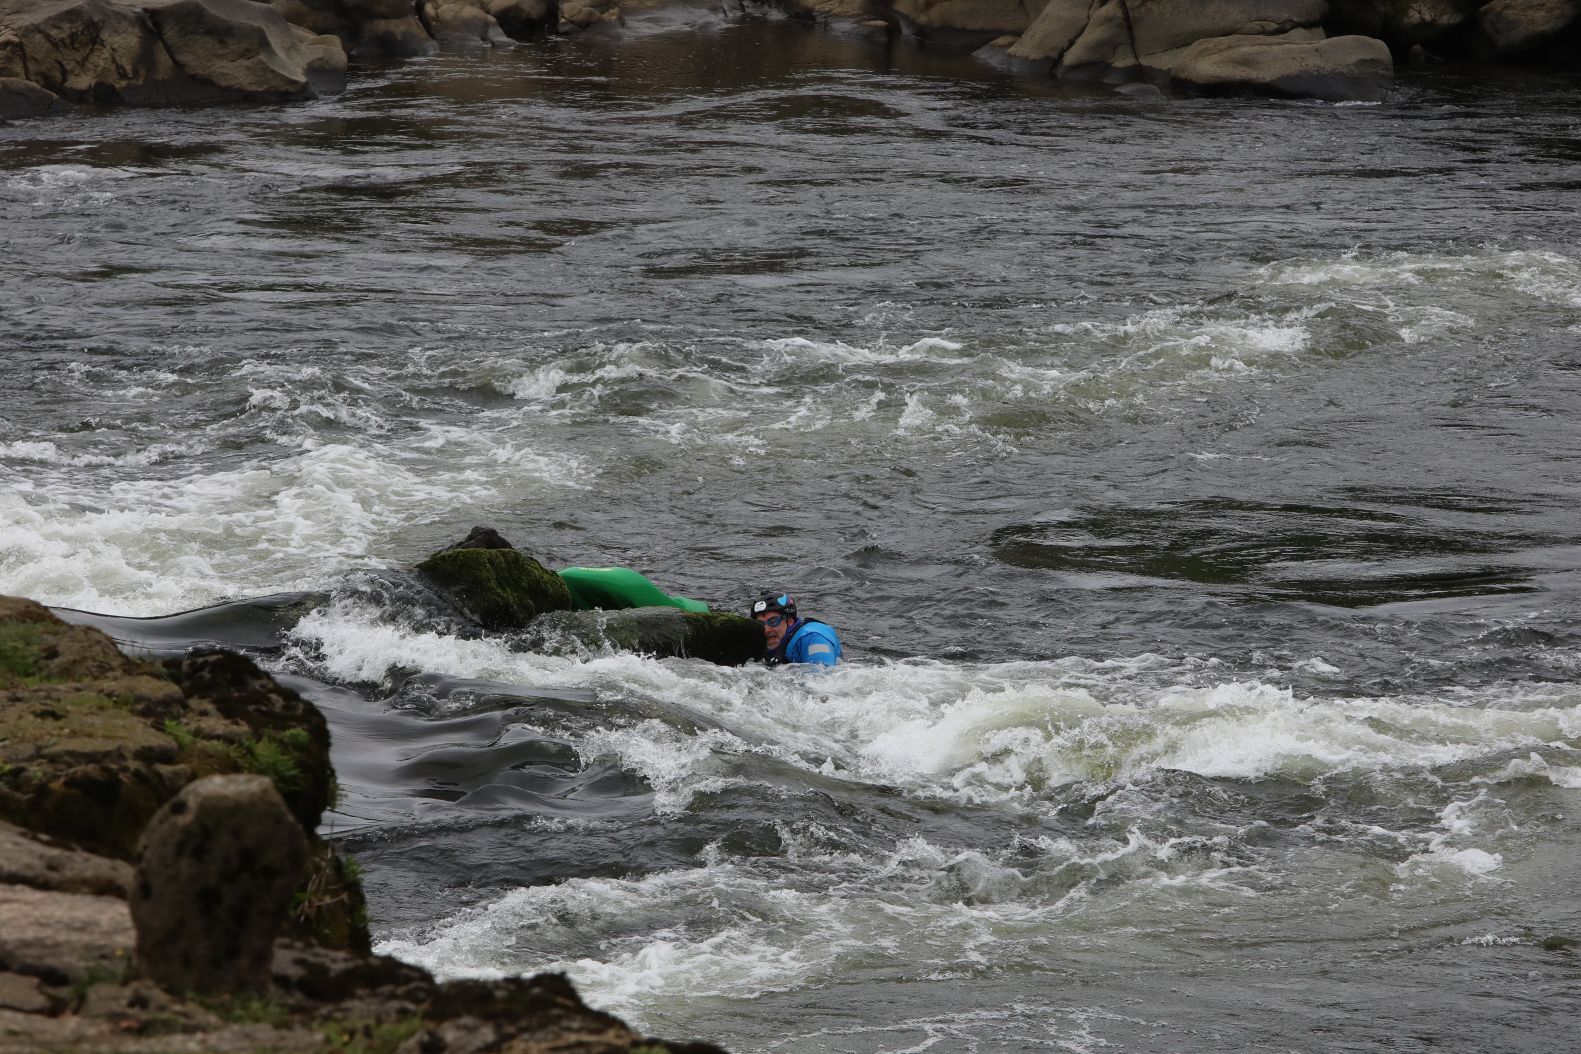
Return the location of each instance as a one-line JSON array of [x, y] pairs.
[[501, 588]]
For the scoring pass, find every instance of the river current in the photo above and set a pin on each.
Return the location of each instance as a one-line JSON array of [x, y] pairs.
[[1193, 483]]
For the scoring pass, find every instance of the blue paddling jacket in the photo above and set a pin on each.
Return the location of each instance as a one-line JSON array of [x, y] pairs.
[[808, 641]]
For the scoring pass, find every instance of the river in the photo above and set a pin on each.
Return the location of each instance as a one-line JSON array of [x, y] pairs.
[[1192, 481]]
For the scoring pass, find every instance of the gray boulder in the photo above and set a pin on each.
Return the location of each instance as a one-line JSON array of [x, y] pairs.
[[219, 865]]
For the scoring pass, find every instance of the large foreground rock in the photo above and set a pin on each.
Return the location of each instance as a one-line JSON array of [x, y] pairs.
[[93, 744], [88, 737]]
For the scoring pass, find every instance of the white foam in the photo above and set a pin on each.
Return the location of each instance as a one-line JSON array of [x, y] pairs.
[[1544, 275]]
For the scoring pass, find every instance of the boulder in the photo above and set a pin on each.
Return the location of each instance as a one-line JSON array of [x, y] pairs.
[[521, 19], [218, 868], [1300, 64], [1164, 25], [1513, 27], [243, 48], [500, 589], [85, 50], [462, 22], [162, 51], [1053, 31], [664, 632], [23, 98], [583, 14], [1275, 47]]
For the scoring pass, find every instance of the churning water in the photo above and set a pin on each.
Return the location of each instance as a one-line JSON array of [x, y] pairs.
[[1194, 483]]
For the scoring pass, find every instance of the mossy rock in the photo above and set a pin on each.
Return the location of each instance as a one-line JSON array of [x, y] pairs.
[[715, 636], [501, 589]]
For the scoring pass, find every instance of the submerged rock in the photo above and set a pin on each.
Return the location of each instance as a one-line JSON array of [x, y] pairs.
[[663, 632], [218, 867]]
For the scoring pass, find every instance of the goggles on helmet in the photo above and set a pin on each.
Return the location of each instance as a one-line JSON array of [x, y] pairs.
[[774, 602]]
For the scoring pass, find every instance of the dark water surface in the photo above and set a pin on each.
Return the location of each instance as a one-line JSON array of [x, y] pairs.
[[1193, 481]]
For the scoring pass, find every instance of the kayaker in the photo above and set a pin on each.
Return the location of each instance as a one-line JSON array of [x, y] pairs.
[[792, 639]]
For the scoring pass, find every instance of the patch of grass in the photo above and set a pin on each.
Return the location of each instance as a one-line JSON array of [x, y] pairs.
[[275, 756], [185, 738], [245, 1009], [370, 1037], [20, 643]]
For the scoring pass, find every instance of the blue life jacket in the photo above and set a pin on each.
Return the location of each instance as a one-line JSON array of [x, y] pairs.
[[809, 641]]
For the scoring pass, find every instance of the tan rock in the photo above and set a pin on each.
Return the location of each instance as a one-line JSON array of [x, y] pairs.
[[85, 50], [61, 937], [19, 992], [238, 46], [1054, 30], [1104, 46], [462, 21], [28, 859], [1163, 25], [581, 14], [1294, 64]]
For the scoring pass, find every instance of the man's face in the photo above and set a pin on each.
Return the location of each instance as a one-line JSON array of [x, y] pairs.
[[775, 623]]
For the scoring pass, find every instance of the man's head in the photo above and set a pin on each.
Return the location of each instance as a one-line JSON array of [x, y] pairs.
[[777, 613]]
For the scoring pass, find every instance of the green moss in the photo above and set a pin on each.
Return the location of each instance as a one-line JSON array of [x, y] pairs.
[[500, 588], [20, 644], [369, 1037]]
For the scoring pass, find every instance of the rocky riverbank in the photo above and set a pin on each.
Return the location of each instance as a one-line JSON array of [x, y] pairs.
[[58, 53], [162, 887]]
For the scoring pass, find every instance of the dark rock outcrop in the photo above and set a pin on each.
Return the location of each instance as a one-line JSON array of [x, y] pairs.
[[219, 864]]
